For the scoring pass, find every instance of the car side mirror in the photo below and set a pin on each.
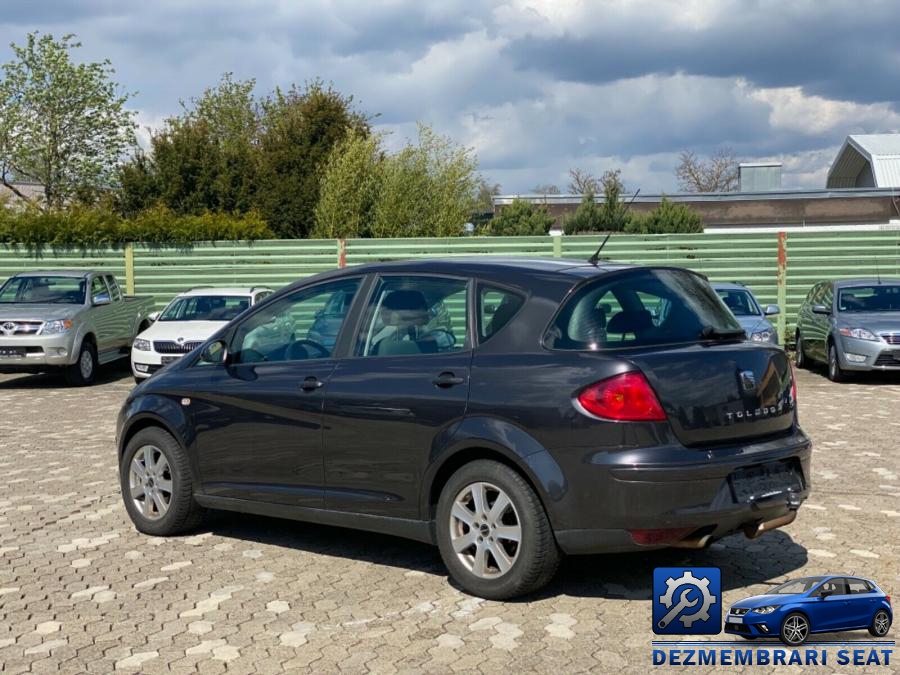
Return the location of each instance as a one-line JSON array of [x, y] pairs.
[[825, 594], [820, 309], [153, 316], [216, 353], [101, 299], [771, 310]]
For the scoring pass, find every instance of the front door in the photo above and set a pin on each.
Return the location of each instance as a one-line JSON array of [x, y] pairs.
[[398, 396], [258, 419], [832, 610]]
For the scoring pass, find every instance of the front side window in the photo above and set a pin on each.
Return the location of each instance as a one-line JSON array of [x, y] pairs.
[[43, 290], [415, 315], [99, 291], [877, 298], [205, 308], [833, 587], [291, 328], [496, 308], [741, 303], [639, 308]]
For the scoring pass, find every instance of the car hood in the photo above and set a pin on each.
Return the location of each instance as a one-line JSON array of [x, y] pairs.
[[189, 330], [763, 600], [877, 322], [753, 324], [37, 312]]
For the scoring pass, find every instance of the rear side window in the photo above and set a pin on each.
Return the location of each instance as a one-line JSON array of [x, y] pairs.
[[639, 308], [496, 308]]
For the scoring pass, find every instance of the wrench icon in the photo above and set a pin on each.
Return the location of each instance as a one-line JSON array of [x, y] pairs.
[[684, 603]]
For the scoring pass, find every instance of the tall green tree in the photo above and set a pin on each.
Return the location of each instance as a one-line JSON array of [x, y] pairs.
[[62, 124], [300, 127]]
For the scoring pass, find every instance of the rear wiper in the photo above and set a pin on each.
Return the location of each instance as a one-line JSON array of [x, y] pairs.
[[712, 333]]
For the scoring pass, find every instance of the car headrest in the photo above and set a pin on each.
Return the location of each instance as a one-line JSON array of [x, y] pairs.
[[501, 316], [404, 308], [630, 321]]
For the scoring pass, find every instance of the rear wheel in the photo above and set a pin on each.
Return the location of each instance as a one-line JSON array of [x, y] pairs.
[[156, 482], [800, 357], [493, 533], [84, 370], [835, 373], [881, 623], [794, 629]]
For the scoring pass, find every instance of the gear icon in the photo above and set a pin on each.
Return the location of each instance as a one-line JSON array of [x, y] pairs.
[[688, 579]]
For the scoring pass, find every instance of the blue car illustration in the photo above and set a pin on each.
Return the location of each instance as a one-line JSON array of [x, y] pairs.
[[824, 604]]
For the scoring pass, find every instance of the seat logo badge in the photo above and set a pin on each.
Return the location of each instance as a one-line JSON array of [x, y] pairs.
[[9, 328], [185, 401], [748, 380]]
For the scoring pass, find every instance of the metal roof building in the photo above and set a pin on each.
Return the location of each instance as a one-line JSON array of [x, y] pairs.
[[867, 161]]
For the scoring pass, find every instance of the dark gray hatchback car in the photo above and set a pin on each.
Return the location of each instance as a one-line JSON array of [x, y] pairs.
[[852, 325], [508, 411]]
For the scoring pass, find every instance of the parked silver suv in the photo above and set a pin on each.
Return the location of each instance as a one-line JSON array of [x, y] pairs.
[[852, 325]]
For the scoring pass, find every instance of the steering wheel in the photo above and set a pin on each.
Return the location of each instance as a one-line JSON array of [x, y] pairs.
[[324, 352]]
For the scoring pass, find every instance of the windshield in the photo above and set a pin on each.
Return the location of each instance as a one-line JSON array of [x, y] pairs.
[[741, 303], [879, 298], [43, 290], [205, 308], [796, 586], [639, 308]]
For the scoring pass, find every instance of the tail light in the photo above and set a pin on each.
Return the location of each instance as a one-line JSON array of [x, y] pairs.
[[888, 598], [627, 398]]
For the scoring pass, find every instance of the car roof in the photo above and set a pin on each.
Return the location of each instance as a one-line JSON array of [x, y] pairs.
[[849, 283], [247, 290], [75, 274]]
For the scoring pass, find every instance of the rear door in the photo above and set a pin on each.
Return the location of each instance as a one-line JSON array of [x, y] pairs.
[[404, 387], [816, 337], [124, 316], [863, 602]]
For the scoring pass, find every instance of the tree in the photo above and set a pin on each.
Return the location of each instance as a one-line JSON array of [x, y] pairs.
[[428, 189], [351, 186], [668, 217], [521, 218], [546, 189], [62, 124], [581, 182], [483, 197], [718, 173], [300, 127]]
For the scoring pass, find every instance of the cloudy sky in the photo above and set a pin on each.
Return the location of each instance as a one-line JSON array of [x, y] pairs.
[[533, 86]]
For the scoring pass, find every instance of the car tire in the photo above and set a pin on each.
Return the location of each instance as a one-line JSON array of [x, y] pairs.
[[478, 502], [800, 357], [794, 629], [84, 371], [159, 501], [835, 373], [881, 623]]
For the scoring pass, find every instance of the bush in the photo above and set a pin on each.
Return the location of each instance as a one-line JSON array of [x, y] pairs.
[[521, 218], [668, 217], [92, 227]]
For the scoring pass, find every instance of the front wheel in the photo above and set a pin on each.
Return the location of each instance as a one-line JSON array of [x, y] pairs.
[[881, 623], [794, 629], [493, 533], [156, 483], [800, 357], [84, 370], [835, 372]]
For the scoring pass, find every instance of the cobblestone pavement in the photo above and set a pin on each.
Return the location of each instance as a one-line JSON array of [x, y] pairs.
[[81, 591]]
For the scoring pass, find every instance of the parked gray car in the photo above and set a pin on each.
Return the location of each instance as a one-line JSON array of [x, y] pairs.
[[69, 320], [747, 311], [852, 325]]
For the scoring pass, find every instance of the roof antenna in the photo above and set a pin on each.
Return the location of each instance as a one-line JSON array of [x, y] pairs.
[[594, 259]]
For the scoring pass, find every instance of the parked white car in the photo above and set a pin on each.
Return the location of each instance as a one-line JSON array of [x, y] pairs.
[[187, 322]]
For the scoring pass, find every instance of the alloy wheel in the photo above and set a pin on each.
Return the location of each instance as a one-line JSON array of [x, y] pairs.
[[150, 482], [485, 530], [881, 623], [86, 364], [795, 629]]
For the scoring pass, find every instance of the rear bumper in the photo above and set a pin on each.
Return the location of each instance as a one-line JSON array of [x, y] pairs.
[[695, 496]]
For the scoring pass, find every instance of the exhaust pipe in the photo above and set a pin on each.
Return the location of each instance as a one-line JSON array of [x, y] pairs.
[[754, 531], [693, 542]]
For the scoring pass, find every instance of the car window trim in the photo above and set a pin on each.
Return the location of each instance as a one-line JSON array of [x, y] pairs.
[[375, 278]]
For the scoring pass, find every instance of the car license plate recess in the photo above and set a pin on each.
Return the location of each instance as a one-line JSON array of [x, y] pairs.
[[764, 481], [166, 360]]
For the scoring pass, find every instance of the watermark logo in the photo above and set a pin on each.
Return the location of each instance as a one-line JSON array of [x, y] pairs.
[[687, 601]]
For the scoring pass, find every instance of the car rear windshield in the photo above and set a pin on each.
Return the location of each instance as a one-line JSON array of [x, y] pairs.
[[44, 290], [878, 298], [638, 308], [796, 586], [205, 308]]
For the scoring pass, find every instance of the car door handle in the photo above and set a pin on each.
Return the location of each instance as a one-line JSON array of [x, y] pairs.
[[447, 379], [311, 383]]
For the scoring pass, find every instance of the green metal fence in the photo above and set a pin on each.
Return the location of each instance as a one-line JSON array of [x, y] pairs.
[[779, 268]]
